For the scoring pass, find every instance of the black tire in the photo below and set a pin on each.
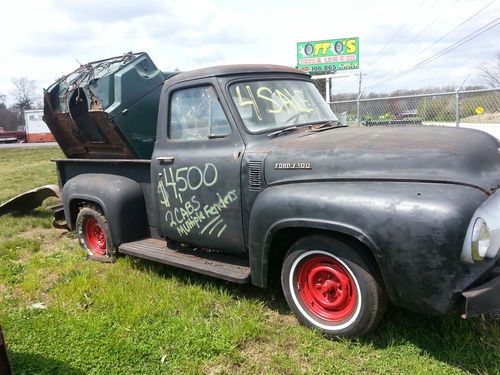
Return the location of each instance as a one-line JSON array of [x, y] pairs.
[[339, 291], [308, 49], [94, 234], [338, 47]]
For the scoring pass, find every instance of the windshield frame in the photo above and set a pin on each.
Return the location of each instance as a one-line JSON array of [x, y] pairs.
[[245, 79]]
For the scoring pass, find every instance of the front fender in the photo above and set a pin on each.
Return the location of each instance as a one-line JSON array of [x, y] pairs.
[[279, 208], [415, 231], [120, 198]]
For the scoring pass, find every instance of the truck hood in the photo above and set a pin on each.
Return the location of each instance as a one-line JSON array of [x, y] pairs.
[[419, 154]]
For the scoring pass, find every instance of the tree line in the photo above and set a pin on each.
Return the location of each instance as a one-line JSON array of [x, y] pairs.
[[26, 96]]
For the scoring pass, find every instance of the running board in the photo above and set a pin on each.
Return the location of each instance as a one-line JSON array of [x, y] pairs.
[[213, 264]]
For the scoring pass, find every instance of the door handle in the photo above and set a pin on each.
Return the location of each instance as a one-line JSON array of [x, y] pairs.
[[165, 159]]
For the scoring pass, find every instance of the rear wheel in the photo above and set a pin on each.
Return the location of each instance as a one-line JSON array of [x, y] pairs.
[[94, 233], [331, 287]]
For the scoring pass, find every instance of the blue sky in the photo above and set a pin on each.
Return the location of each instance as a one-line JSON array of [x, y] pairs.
[[45, 39]]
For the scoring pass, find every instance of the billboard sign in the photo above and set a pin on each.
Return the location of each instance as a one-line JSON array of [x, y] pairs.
[[327, 56]]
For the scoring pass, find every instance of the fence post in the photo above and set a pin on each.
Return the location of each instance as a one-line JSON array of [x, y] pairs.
[[328, 98], [425, 108], [457, 101], [357, 108], [357, 111]]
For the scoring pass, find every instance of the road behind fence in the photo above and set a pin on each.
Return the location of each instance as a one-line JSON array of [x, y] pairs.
[[447, 108]]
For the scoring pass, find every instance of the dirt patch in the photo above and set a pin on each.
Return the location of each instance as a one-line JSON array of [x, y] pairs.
[[278, 319], [49, 281], [45, 234], [49, 238], [258, 356]]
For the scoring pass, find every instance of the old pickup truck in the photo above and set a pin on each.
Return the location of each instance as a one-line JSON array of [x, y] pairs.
[[18, 136], [243, 172]]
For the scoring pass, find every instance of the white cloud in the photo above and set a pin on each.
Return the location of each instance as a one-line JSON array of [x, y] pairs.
[[43, 39]]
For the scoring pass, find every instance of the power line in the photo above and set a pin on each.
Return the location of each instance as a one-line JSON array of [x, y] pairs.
[[413, 26], [430, 24], [445, 50], [423, 17], [408, 43], [457, 44], [441, 38], [390, 42], [456, 27]]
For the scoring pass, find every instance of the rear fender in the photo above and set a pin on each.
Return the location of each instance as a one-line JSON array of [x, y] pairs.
[[120, 198]]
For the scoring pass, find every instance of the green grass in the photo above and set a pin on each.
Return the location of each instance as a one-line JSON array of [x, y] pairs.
[[135, 316]]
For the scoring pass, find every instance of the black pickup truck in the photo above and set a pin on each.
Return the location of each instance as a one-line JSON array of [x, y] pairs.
[[248, 175]]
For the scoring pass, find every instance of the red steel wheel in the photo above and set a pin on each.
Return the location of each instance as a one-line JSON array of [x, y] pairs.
[[94, 233], [95, 236], [331, 286], [326, 288]]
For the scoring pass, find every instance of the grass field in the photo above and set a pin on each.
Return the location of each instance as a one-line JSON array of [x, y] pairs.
[[137, 317]]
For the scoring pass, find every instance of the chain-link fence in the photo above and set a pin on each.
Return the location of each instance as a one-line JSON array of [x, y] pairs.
[[447, 108]]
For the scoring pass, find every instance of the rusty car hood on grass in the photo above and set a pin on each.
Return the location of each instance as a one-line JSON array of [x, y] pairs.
[[427, 154]]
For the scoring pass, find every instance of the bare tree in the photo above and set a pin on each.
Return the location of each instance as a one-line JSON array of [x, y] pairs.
[[25, 93], [491, 72]]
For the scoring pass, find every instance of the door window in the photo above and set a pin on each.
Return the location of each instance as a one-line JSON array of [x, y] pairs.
[[196, 114]]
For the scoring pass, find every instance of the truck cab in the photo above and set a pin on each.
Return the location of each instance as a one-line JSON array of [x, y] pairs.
[[205, 163]]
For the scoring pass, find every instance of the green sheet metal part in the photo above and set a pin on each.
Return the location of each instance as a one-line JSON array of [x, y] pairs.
[[106, 108], [29, 200]]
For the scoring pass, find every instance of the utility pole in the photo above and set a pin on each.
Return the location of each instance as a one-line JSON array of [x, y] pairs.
[[360, 75], [327, 78], [328, 82], [457, 101], [327, 89]]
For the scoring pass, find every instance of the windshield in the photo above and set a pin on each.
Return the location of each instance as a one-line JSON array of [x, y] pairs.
[[275, 104]]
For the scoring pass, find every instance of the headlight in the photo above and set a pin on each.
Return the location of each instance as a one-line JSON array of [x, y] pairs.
[[480, 240]]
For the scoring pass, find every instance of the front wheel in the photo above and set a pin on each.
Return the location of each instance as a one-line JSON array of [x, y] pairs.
[[94, 233], [329, 286]]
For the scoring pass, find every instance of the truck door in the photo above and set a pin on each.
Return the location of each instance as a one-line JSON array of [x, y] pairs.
[[196, 170]]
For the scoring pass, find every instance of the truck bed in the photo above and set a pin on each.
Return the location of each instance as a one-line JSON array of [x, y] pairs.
[[138, 170]]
